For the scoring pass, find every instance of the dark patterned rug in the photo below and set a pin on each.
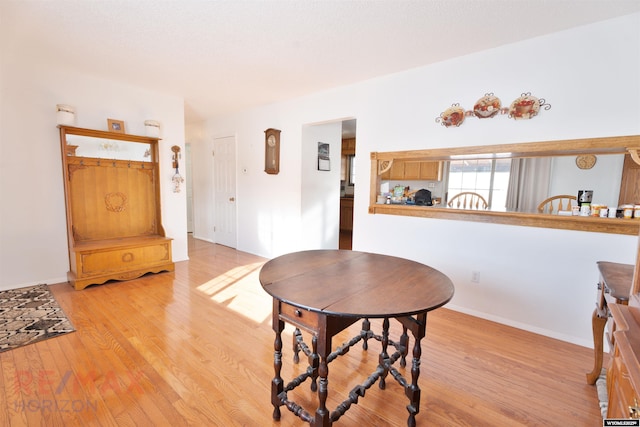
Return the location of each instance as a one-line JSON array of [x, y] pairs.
[[29, 315]]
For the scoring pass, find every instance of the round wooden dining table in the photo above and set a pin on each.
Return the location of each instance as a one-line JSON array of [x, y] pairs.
[[325, 291]]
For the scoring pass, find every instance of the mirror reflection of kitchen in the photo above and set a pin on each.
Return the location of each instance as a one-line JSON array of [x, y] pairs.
[[347, 179]]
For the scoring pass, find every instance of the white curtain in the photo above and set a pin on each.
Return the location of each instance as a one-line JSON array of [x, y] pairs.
[[528, 184]]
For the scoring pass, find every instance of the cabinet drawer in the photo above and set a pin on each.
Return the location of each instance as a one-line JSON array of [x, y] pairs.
[[109, 261], [622, 395], [299, 317]]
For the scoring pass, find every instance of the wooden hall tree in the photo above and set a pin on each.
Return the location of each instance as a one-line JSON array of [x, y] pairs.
[[112, 194]]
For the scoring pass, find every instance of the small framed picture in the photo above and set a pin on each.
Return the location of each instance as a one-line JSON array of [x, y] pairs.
[[324, 161], [116, 125]]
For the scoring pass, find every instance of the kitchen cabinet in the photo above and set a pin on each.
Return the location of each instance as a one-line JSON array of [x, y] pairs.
[[396, 172], [431, 171], [346, 214], [349, 147], [414, 171]]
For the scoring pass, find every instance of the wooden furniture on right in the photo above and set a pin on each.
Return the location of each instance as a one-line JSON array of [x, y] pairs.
[[468, 200], [614, 287], [112, 194], [623, 374], [554, 204]]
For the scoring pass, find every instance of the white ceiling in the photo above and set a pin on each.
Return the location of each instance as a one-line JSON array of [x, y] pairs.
[[225, 56]]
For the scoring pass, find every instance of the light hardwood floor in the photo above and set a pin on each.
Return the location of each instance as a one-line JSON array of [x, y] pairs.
[[195, 347]]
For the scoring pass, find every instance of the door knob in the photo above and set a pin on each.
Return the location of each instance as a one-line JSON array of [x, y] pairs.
[[232, 199]]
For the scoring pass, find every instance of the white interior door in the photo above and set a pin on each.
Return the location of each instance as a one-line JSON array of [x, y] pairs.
[[224, 182]]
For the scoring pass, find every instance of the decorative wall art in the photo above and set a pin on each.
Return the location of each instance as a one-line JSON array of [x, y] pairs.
[[176, 179], [524, 107], [324, 162], [586, 161], [115, 125]]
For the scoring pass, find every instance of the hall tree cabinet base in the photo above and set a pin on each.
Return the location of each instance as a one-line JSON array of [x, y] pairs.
[[112, 195], [125, 259]]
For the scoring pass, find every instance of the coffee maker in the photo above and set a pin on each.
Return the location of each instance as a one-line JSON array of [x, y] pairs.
[[584, 201]]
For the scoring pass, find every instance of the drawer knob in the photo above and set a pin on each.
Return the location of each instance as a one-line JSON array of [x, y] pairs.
[[298, 313], [127, 257]]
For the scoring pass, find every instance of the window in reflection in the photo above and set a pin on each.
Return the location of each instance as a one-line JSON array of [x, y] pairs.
[[103, 148], [487, 177], [528, 183], [351, 164]]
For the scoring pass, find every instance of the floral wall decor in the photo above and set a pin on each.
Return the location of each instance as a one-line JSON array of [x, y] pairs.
[[524, 107]]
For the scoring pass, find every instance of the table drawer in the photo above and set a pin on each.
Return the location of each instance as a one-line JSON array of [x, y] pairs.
[[299, 316]]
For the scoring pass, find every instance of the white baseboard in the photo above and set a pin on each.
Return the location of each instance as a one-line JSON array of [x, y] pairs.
[[526, 327], [52, 281]]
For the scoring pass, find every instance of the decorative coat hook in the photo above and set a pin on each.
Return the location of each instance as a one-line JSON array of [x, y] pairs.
[[177, 179]]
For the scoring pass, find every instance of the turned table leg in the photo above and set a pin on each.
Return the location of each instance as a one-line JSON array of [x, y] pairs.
[[322, 418], [413, 390], [277, 384], [597, 326], [365, 331], [383, 359], [404, 343]]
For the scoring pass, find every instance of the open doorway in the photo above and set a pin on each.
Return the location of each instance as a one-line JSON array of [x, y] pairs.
[[321, 181], [347, 183]]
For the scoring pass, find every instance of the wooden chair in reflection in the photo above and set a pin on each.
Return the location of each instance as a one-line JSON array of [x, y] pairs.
[[468, 200], [554, 204]]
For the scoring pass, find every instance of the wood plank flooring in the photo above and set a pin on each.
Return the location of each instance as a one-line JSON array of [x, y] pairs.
[[195, 348]]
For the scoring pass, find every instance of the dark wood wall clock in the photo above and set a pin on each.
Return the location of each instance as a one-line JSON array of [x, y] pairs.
[[272, 151]]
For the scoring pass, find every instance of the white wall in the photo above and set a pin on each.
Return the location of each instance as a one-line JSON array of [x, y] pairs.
[[33, 241], [538, 279], [320, 190]]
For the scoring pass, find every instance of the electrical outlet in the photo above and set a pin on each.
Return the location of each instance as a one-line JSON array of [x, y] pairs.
[[475, 276]]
